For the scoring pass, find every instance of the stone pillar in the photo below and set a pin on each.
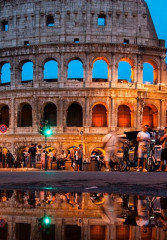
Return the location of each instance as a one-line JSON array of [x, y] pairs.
[[34, 232], [87, 117], [60, 114], [139, 113], [113, 113], [11, 230], [114, 71], [62, 72], [12, 116], [35, 116], [110, 74], [88, 76], [109, 112], [36, 79], [162, 112], [139, 70], [58, 229]]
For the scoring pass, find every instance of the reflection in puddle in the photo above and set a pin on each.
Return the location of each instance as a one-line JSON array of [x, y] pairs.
[[26, 215]]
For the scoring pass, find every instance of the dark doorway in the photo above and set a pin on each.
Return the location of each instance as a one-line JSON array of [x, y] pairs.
[[23, 231], [26, 116], [72, 232], [50, 114], [74, 115], [4, 115]]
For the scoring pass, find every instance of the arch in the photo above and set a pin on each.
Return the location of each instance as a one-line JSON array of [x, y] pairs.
[[150, 70], [5, 73], [75, 70], [100, 70], [25, 115], [27, 71], [125, 70], [50, 114], [50, 73], [124, 116], [4, 115], [99, 116], [74, 115], [150, 116]]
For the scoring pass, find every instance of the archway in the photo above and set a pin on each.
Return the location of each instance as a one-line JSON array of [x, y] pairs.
[[74, 115], [100, 70], [50, 114], [99, 116], [50, 71], [124, 116]]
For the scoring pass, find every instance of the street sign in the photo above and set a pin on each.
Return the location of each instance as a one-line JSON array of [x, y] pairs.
[[3, 128]]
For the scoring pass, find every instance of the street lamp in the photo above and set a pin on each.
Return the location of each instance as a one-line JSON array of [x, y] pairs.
[[46, 131]]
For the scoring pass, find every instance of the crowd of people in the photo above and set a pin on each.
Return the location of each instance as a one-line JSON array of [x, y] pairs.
[[31, 156]]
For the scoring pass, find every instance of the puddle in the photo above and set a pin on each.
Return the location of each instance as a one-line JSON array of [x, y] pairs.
[[81, 216]]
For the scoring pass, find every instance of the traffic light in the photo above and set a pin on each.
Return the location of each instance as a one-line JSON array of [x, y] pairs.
[[45, 129], [48, 131], [44, 224], [41, 127]]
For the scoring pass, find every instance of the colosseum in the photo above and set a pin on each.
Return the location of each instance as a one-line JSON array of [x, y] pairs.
[[61, 61]]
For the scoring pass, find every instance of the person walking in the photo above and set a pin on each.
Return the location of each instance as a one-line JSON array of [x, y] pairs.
[[111, 147], [80, 157], [163, 140], [50, 159], [143, 138]]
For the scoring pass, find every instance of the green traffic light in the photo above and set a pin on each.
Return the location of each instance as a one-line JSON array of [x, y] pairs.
[[46, 220], [48, 132]]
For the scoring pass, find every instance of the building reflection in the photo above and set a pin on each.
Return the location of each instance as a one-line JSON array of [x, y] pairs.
[[86, 216]]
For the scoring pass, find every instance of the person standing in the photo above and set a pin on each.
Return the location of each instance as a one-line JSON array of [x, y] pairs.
[[32, 150], [143, 138], [50, 159], [80, 157], [163, 140], [111, 147]]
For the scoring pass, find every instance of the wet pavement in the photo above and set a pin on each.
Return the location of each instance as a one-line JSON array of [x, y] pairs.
[[152, 183]]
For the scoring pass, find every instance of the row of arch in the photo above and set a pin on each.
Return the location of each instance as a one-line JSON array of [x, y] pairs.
[[74, 115], [100, 71]]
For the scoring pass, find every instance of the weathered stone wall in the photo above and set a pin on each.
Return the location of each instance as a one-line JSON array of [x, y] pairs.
[[78, 19]]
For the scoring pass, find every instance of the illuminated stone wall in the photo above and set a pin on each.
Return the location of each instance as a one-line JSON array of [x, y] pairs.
[[127, 35]]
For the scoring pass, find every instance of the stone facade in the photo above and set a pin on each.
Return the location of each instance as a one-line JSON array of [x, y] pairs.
[[29, 37]]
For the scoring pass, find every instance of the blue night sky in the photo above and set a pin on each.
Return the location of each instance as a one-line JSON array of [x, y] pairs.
[[158, 12]]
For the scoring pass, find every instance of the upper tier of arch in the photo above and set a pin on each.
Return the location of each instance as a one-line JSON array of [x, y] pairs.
[[74, 21]]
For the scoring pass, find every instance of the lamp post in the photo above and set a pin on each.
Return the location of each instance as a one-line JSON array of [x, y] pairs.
[[46, 131]]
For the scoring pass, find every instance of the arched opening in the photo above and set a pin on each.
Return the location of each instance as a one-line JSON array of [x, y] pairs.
[[148, 73], [125, 71], [50, 114], [74, 115], [5, 74], [124, 116], [100, 71], [26, 116], [99, 116], [51, 71], [27, 72], [4, 115], [75, 70], [150, 116]]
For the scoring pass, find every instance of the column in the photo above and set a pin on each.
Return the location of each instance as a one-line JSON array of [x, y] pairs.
[[12, 119], [113, 113], [60, 114], [139, 70], [109, 112], [114, 71], [62, 72], [58, 229]]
